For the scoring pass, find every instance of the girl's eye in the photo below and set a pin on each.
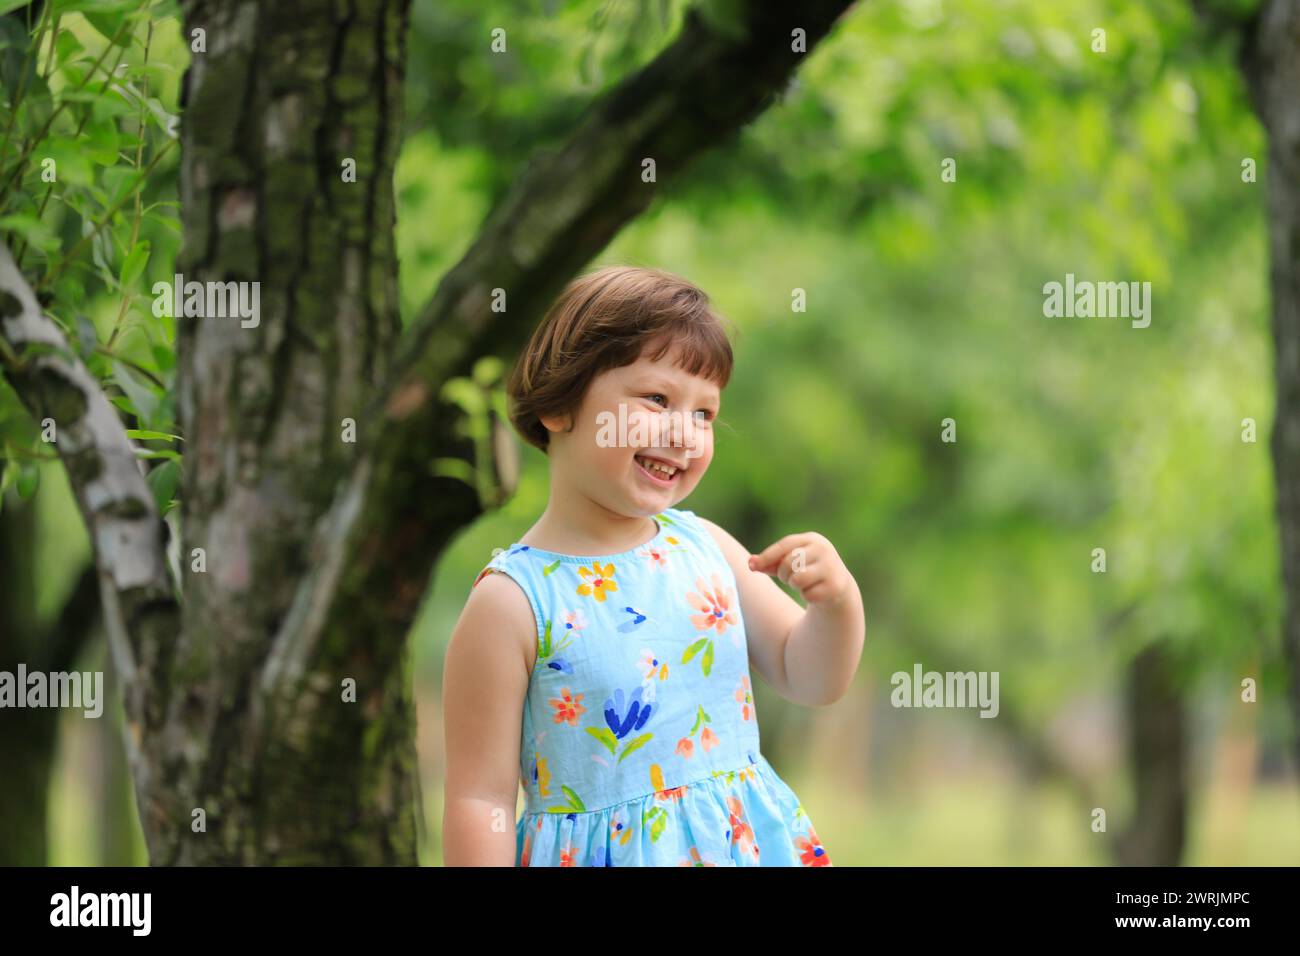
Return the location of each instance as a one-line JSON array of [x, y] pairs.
[[703, 416], [653, 397]]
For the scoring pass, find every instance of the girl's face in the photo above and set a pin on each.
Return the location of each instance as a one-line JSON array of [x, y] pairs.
[[631, 420]]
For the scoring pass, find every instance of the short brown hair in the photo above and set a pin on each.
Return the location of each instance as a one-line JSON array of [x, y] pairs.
[[605, 320]]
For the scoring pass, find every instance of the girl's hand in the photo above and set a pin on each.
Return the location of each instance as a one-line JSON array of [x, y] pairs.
[[809, 563]]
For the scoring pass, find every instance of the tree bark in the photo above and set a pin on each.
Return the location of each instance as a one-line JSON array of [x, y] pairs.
[[1157, 720], [1271, 63]]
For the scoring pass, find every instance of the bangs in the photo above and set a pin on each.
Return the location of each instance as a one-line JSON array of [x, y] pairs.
[[698, 348]]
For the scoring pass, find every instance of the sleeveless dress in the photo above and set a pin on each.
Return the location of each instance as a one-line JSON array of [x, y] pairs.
[[639, 742]]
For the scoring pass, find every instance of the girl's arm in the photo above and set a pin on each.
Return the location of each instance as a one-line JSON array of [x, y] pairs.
[[485, 681], [808, 655]]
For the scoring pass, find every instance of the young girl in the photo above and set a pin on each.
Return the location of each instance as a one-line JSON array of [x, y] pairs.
[[606, 664]]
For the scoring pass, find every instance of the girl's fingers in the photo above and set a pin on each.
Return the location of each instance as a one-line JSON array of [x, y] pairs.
[[773, 554]]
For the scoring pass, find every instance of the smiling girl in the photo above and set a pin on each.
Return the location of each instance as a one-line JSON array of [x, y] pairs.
[[604, 658]]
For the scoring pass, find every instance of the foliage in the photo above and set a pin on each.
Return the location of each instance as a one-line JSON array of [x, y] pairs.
[[88, 205]]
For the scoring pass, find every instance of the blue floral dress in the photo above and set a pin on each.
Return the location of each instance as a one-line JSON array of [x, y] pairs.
[[639, 744]]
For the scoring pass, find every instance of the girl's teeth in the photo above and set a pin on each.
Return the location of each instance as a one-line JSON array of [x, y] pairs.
[[665, 470]]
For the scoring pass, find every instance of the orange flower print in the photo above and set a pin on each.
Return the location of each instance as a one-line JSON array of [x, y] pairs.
[[657, 782], [745, 698], [528, 849], [708, 739], [811, 851], [695, 859], [741, 833], [568, 856], [598, 581], [714, 606], [567, 707]]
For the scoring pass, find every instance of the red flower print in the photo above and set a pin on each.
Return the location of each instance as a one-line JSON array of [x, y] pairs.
[[567, 707], [657, 557], [811, 851], [686, 747], [714, 606], [708, 739], [740, 830], [567, 857]]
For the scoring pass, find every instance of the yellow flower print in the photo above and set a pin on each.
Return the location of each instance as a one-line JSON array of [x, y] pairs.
[[597, 581]]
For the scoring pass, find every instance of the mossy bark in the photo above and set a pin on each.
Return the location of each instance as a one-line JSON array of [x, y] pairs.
[[284, 95]]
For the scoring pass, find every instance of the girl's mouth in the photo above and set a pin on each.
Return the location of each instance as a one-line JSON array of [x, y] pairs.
[[660, 472]]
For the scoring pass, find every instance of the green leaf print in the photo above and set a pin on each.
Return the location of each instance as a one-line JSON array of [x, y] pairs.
[[701, 718], [658, 820], [550, 567], [605, 736], [665, 519], [639, 742], [546, 641], [706, 662], [575, 803]]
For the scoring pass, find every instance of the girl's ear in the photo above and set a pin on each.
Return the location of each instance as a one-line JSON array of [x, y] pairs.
[[556, 423]]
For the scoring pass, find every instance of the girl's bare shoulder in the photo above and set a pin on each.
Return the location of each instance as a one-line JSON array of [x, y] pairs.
[[498, 613]]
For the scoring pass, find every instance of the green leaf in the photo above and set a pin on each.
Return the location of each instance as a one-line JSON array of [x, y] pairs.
[[163, 357], [66, 46], [71, 167], [32, 230], [29, 479], [134, 265], [101, 142], [143, 398], [119, 181], [707, 662], [143, 434], [164, 480], [487, 370], [550, 567], [455, 468], [574, 801], [151, 453]]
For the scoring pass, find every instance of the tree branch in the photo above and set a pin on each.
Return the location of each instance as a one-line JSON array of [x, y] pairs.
[[126, 533]]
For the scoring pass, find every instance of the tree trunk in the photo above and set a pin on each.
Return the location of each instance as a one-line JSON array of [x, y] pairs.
[[1158, 756], [287, 96], [1271, 63]]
